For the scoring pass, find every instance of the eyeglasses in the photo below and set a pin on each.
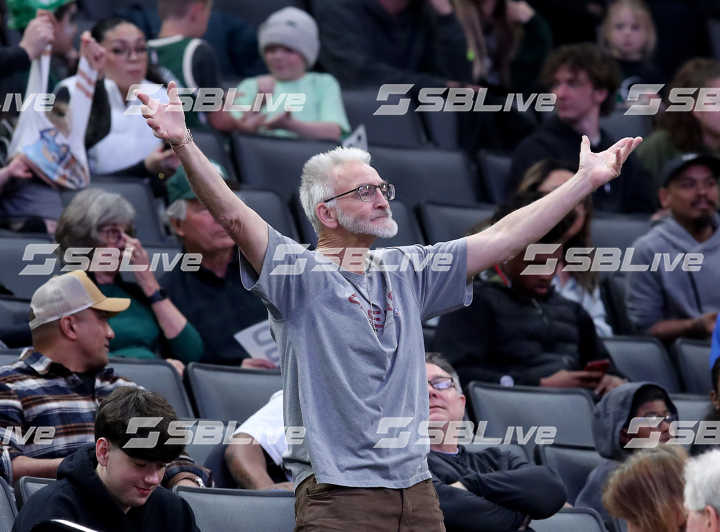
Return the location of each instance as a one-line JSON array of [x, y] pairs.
[[121, 51], [442, 383], [366, 192], [667, 418]]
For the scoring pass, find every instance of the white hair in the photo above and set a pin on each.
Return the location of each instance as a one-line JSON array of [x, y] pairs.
[[702, 481], [316, 182], [177, 210]]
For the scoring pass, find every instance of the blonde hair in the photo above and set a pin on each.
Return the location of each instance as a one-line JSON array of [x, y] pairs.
[[647, 490], [641, 10]]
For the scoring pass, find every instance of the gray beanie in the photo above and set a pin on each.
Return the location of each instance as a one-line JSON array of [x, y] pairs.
[[294, 28]]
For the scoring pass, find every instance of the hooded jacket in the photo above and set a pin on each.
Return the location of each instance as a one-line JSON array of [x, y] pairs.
[[80, 496], [609, 417], [654, 296]]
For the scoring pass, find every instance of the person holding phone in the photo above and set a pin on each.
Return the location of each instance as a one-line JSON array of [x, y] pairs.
[[519, 330]]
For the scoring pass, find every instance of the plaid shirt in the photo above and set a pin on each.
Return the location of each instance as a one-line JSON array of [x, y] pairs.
[[36, 392]]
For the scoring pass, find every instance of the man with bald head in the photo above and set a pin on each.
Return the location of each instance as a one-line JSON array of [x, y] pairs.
[[347, 321]]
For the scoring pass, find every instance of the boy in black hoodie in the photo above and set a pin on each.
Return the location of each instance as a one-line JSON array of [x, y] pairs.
[[115, 487]]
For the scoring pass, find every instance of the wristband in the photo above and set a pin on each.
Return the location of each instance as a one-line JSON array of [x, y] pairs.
[[159, 295], [187, 139]]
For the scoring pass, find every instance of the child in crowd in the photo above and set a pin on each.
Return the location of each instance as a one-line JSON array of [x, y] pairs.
[[289, 45], [628, 33]]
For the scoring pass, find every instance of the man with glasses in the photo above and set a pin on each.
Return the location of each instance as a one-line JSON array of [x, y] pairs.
[[669, 301], [495, 489], [617, 437], [350, 335]]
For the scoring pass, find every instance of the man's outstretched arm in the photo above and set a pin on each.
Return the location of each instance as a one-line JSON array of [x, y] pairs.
[[525, 226], [245, 226]]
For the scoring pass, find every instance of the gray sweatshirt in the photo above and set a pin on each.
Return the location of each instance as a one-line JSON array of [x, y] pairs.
[[663, 295]]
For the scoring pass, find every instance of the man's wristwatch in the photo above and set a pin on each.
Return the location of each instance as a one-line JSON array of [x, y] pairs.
[[159, 295]]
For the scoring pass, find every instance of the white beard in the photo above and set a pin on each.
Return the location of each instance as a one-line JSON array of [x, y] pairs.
[[386, 228]]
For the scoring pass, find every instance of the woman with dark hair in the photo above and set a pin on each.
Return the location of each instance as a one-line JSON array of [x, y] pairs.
[[581, 287], [713, 413], [685, 131], [118, 141]]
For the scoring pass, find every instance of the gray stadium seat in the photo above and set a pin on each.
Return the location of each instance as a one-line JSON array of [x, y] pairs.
[[691, 407], [253, 11], [617, 230], [213, 145], [8, 510], [571, 520], [240, 510], [620, 125], [612, 291], [272, 209], [14, 317], [643, 359], [447, 222], [426, 175], [28, 486], [569, 410], [9, 356], [230, 393], [272, 163], [157, 376], [402, 131], [442, 128], [572, 463], [12, 263], [495, 170], [693, 358]]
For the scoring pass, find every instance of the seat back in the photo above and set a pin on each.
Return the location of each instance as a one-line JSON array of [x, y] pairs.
[[8, 510], [495, 170], [26, 487], [400, 131], [571, 520], [691, 407], [572, 463], [157, 376], [272, 209], [612, 291], [643, 359], [568, 410], [447, 222], [215, 462], [252, 11], [240, 510], [617, 230], [442, 129], [214, 146], [692, 358], [14, 328], [12, 263], [230, 393]]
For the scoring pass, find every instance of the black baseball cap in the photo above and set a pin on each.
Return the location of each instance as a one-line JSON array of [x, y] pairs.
[[674, 166]]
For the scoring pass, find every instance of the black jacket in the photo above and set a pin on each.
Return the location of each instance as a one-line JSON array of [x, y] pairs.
[[631, 191], [502, 489], [80, 496], [505, 333], [362, 44]]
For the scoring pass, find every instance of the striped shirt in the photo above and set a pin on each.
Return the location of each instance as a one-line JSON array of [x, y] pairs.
[[39, 396]]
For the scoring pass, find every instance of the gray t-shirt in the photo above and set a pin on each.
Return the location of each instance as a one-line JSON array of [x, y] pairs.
[[353, 354]]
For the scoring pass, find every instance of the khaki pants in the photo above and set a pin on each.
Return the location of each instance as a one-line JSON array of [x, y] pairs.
[[320, 507]]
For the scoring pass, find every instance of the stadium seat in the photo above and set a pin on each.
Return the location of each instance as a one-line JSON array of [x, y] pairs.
[[691, 407], [617, 230], [426, 175], [643, 359], [693, 359], [568, 410], [272, 209], [215, 462], [8, 510], [495, 170], [148, 227], [620, 125], [213, 145], [447, 222], [612, 291], [12, 251], [157, 376], [572, 463], [442, 129], [240, 510], [26, 487], [399, 131], [252, 11], [274, 164], [14, 317], [230, 393], [570, 520], [9, 356]]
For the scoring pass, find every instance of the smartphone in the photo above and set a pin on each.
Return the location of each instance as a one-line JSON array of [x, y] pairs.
[[598, 365]]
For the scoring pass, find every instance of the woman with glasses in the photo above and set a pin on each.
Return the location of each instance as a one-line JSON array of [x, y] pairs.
[[118, 141], [617, 437], [153, 324]]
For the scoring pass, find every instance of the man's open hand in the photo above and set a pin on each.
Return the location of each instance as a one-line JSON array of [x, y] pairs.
[[604, 166], [166, 120]]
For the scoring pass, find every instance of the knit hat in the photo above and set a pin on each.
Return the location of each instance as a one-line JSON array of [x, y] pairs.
[[294, 28], [23, 11]]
